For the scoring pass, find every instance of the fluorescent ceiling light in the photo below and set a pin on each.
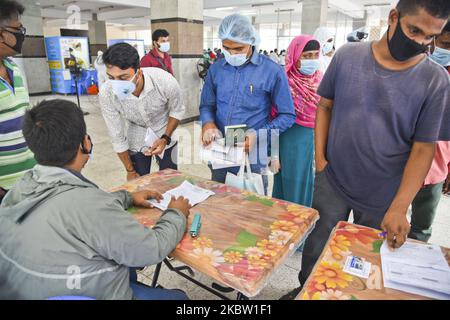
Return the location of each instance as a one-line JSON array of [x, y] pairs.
[[225, 8], [262, 4]]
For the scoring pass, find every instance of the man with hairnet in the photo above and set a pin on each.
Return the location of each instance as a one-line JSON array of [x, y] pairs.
[[241, 90]]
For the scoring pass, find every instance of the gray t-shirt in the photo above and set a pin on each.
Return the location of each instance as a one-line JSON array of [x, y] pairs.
[[377, 116]]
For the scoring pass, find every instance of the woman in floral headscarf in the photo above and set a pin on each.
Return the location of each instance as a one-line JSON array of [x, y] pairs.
[[294, 182]]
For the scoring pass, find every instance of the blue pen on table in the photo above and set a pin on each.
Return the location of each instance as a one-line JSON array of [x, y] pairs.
[[196, 224]]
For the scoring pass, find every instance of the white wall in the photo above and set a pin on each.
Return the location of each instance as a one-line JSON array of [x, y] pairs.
[[127, 33]]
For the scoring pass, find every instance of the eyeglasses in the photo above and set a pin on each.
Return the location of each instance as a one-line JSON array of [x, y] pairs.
[[21, 30]]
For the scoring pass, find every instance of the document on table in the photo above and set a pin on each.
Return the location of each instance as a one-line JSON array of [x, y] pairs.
[[150, 138], [194, 194], [416, 268], [222, 156]]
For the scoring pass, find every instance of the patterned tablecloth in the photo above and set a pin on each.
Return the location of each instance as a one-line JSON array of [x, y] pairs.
[[328, 281], [244, 237]]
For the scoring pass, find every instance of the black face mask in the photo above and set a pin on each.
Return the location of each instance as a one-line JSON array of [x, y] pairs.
[[401, 47], [20, 37]]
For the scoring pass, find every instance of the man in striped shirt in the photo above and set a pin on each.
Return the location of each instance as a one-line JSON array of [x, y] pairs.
[[15, 157]]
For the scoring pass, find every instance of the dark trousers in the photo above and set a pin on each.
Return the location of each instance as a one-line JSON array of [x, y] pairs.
[[332, 209], [142, 163], [424, 210], [143, 292]]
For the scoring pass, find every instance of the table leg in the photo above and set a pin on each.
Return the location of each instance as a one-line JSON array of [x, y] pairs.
[[198, 283], [156, 275], [241, 296]]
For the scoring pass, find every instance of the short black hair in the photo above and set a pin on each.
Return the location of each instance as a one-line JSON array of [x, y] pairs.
[[437, 8], [54, 131], [122, 55], [10, 9], [159, 33]]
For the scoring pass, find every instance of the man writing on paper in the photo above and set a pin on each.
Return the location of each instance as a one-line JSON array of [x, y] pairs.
[[241, 90], [149, 100], [62, 235]]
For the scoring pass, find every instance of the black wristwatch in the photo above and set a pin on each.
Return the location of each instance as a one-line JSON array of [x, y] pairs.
[[167, 138]]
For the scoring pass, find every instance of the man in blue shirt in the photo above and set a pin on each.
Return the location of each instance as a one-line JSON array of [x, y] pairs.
[[241, 90]]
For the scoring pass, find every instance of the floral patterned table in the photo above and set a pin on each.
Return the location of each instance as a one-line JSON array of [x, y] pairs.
[[328, 280], [244, 237]]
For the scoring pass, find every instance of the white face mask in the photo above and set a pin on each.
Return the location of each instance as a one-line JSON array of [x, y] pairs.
[[164, 47], [327, 48], [236, 60], [309, 66], [123, 88]]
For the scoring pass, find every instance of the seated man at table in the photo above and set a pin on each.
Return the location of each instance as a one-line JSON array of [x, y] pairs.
[[62, 235]]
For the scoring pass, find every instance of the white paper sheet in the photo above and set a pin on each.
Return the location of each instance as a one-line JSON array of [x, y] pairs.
[[150, 138], [194, 194], [416, 268], [222, 156]]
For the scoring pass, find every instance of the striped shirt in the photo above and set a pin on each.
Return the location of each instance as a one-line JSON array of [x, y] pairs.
[[15, 157]]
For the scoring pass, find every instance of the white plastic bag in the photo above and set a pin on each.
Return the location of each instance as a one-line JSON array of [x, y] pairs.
[[250, 181]]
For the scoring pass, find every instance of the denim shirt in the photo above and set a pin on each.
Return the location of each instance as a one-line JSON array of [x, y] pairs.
[[246, 94]]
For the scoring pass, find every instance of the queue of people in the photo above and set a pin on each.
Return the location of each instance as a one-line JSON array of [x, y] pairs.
[[362, 129]]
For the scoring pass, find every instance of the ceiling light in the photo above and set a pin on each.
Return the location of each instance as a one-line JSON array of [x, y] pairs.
[[262, 4], [225, 8]]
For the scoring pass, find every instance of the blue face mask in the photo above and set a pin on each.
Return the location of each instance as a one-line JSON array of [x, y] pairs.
[[236, 60], [327, 48], [441, 56], [164, 47], [309, 67], [123, 88]]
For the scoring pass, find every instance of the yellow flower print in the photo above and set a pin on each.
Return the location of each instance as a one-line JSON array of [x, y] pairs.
[[331, 275], [202, 242], [283, 225], [232, 257], [338, 245], [268, 245]]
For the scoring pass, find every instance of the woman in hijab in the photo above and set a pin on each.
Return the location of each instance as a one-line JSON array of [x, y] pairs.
[[326, 39], [294, 181]]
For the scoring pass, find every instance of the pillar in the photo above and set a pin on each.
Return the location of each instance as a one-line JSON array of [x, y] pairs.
[[33, 59], [97, 36], [184, 21], [314, 15], [360, 23]]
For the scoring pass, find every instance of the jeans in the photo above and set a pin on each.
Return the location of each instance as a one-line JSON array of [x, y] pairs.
[[142, 163], [143, 292], [424, 210], [332, 209]]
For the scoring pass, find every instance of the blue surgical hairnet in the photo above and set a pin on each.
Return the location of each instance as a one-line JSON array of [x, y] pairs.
[[238, 28]]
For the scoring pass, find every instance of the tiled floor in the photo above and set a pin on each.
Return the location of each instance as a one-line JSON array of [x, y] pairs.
[[106, 170]]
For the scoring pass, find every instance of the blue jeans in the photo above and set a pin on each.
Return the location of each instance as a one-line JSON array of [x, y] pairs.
[[143, 292]]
